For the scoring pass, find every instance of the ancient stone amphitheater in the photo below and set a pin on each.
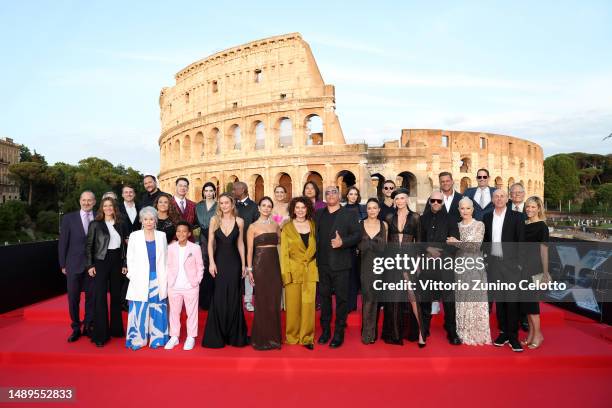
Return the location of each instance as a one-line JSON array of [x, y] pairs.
[[261, 113]]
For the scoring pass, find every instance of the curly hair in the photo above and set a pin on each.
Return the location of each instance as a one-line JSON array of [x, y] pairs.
[[172, 212], [306, 202]]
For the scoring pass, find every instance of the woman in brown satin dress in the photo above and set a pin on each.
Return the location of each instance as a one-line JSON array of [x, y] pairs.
[[263, 270], [404, 232]]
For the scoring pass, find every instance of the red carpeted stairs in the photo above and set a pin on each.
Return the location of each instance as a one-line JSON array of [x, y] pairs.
[[572, 368]]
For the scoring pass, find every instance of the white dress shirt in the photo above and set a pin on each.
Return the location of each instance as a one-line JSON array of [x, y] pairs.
[[131, 211], [448, 200], [181, 202], [496, 233], [181, 279], [115, 239], [518, 207], [486, 196]]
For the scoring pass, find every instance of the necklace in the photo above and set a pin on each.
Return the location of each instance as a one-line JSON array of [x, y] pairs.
[[265, 222]]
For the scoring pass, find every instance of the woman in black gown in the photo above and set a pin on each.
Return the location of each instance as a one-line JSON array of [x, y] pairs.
[[536, 258], [373, 242], [225, 324], [404, 232]]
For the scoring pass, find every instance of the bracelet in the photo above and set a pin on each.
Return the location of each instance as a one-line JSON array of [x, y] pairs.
[[249, 269]]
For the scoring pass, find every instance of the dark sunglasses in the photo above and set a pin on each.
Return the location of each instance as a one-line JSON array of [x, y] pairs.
[[435, 201], [388, 188], [482, 177]]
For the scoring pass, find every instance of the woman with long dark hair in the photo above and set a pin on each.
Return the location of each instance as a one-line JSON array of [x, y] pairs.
[[106, 253], [205, 210]]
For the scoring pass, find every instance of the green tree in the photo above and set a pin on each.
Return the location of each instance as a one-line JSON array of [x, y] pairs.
[[47, 221], [604, 194], [29, 174], [561, 181]]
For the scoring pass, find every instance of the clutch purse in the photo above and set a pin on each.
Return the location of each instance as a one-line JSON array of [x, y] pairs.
[[537, 279]]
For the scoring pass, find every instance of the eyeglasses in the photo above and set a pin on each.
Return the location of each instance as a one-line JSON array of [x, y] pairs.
[[435, 201], [482, 177], [388, 188]]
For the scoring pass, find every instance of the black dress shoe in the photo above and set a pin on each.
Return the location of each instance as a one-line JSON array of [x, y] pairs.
[[309, 346], [501, 340], [99, 343], [74, 336], [325, 336], [454, 340], [88, 330], [337, 340], [525, 326], [515, 345]]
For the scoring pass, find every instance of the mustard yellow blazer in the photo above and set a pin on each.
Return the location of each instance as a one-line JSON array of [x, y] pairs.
[[298, 264]]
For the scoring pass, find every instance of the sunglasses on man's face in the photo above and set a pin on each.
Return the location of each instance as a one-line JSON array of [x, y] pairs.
[[435, 201], [482, 177], [388, 188]]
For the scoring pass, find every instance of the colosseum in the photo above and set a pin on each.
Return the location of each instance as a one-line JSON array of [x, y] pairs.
[[261, 113]]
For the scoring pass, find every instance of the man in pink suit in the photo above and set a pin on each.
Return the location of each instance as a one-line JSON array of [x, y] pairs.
[[185, 270]]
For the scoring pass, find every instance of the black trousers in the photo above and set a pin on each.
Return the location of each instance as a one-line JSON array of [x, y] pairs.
[[354, 284], [108, 271], [207, 286], [507, 306], [447, 298], [77, 283], [336, 281]]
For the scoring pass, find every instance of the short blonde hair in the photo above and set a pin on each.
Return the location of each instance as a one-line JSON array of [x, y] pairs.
[[538, 202]]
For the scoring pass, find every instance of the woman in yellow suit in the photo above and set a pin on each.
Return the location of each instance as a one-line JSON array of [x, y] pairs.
[[299, 272]]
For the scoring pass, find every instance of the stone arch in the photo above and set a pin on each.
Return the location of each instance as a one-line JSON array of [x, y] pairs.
[[344, 180], [530, 187], [315, 177], [284, 179], [197, 189], [408, 180], [284, 130], [510, 182], [177, 150], [234, 137], [466, 165], [314, 130], [257, 185], [186, 148], [230, 183], [198, 146], [466, 183], [259, 132], [214, 141], [377, 181], [499, 182]]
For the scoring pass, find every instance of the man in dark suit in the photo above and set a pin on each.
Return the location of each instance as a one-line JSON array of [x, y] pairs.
[[503, 230], [72, 260], [151, 191], [517, 203], [481, 195], [129, 209], [436, 227], [337, 233], [247, 209], [450, 196]]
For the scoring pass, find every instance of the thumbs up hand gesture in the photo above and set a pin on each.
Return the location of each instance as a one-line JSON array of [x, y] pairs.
[[337, 241]]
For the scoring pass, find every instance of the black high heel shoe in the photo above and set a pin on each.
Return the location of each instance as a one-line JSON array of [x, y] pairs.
[[422, 345]]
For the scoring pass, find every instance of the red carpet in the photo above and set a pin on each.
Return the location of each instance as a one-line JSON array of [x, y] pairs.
[[573, 368]]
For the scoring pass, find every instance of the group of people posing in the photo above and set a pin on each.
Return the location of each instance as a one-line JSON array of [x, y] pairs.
[[297, 255]]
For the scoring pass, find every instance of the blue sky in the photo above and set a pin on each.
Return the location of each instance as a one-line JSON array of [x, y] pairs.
[[82, 78]]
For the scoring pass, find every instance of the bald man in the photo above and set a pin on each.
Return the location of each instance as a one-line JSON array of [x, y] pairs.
[[72, 260], [503, 229], [436, 227]]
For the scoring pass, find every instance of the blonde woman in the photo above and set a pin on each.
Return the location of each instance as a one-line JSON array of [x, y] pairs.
[[225, 324], [472, 309], [536, 231]]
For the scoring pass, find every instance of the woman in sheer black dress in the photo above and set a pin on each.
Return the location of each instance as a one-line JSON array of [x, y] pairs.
[[404, 232]]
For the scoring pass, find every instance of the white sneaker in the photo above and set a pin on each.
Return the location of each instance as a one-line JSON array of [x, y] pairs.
[[189, 343], [249, 307], [171, 343]]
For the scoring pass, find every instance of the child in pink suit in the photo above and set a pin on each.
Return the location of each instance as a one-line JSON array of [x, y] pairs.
[[185, 269]]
